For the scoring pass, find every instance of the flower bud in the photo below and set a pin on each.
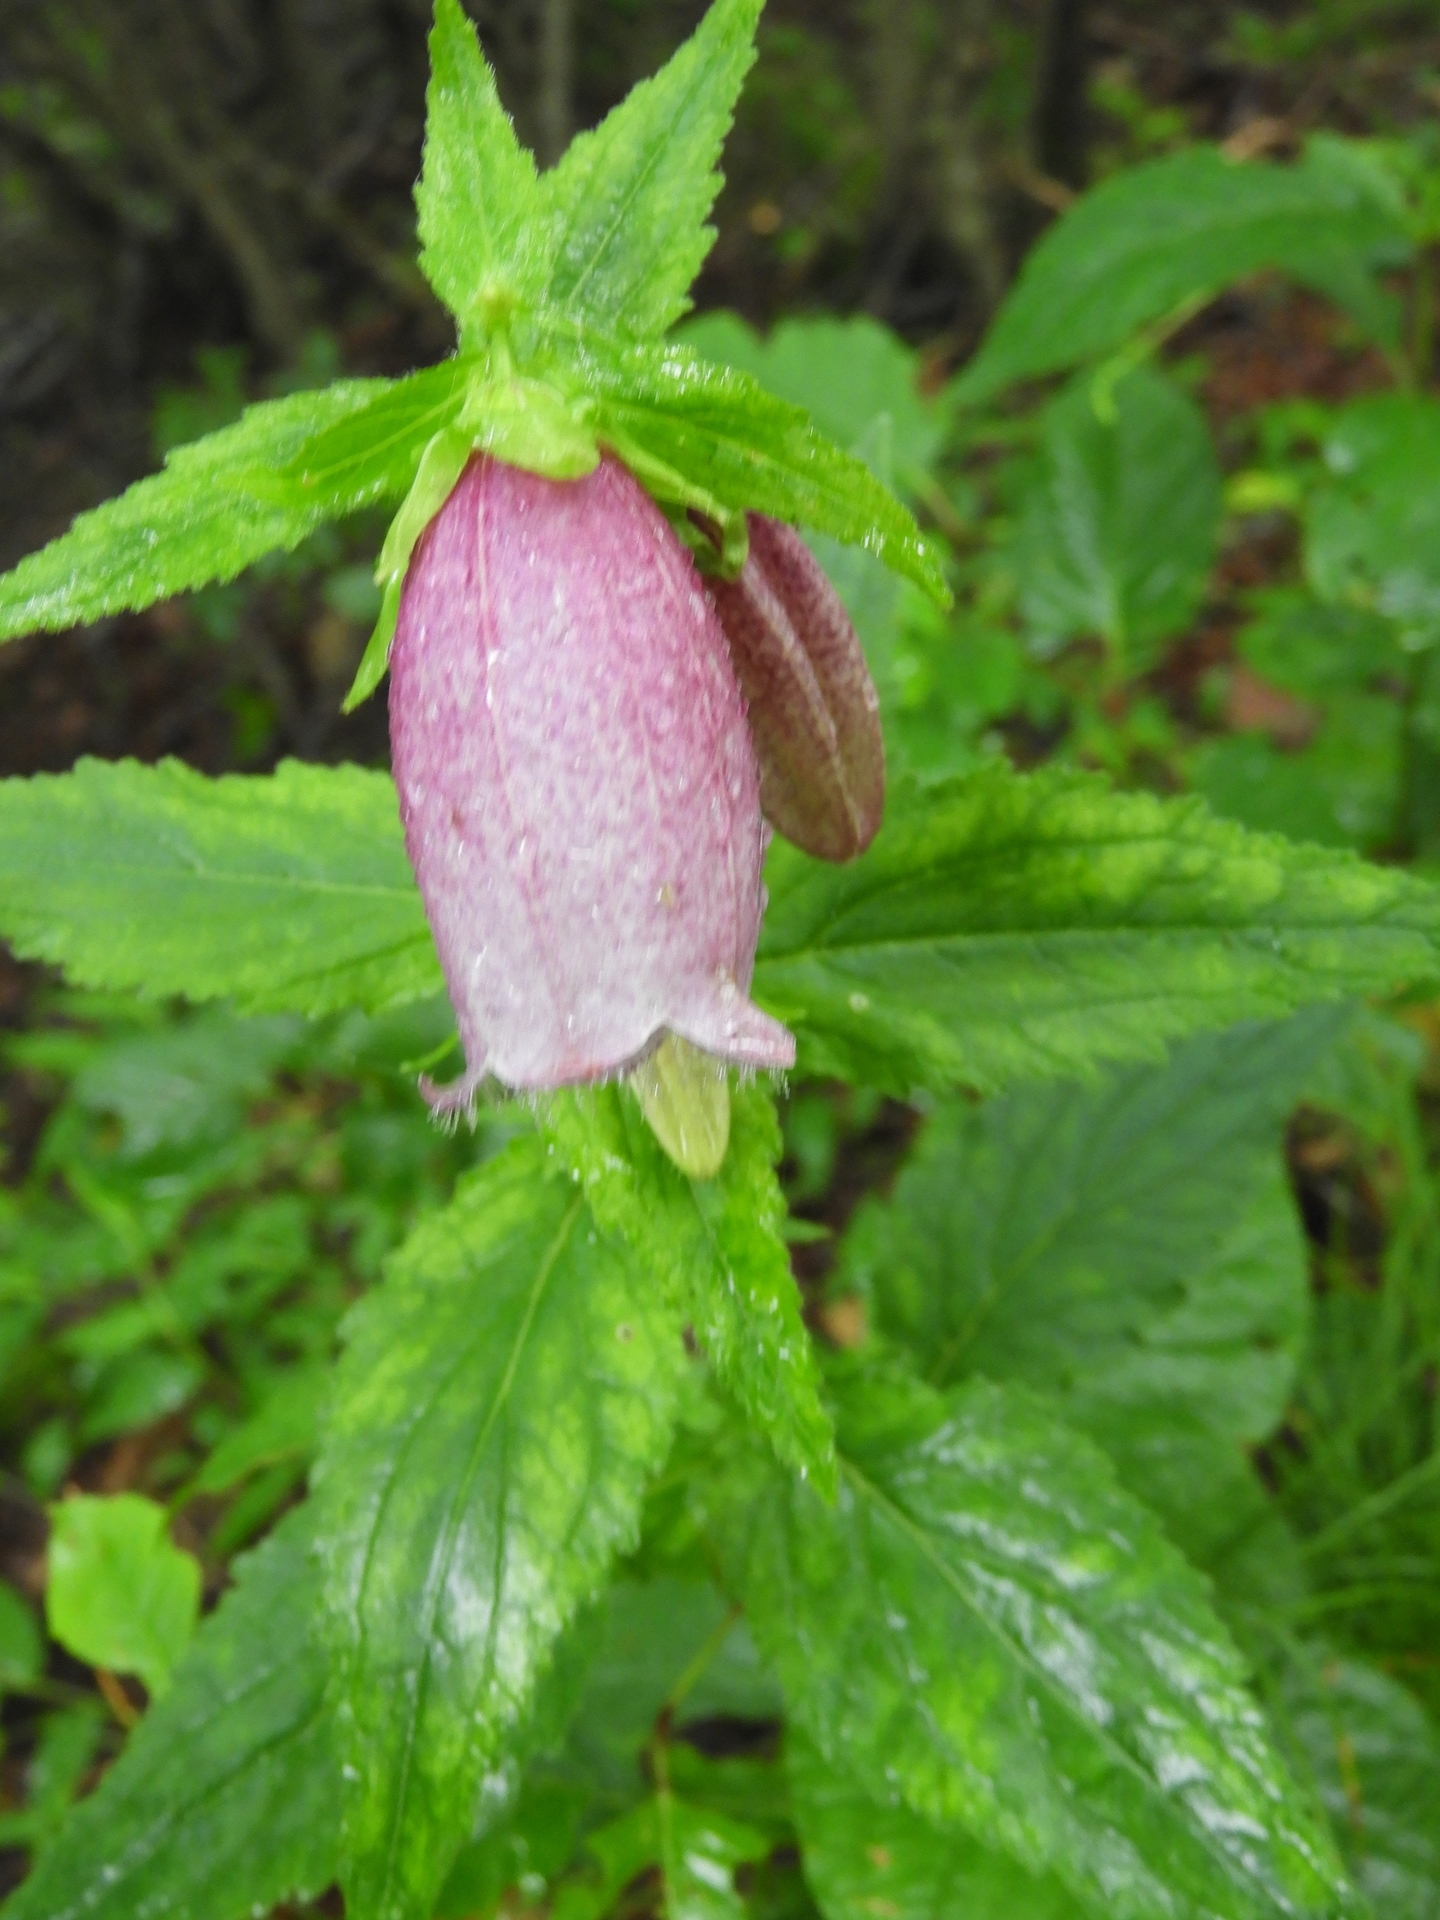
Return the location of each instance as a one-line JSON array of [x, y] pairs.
[[814, 714], [577, 784]]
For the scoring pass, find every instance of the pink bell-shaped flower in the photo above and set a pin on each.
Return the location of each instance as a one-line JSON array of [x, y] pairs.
[[814, 712], [577, 784]]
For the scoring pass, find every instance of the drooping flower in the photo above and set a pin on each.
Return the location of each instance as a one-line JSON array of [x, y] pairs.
[[577, 783], [814, 712]]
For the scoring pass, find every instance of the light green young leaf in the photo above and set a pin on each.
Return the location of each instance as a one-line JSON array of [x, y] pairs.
[[715, 1248], [501, 1404], [372, 455], [857, 380], [484, 241], [987, 1629], [629, 200], [1374, 1755], [226, 1799], [219, 504], [1005, 926], [719, 432], [1120, 517], [1156, 237], [876, 1860], [289, 892], [120, 1594], [1130, 1249]]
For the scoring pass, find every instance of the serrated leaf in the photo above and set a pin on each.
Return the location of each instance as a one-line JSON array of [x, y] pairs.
[[120, 1594], [1154, 237], [501, 1404], [1120, 516], [225, 1800], [875, 1860], [987, 1629], [629, 201], [217, 506], [719, 432], [482, 232], [373, 454], [1130, 1249], [715, 1247], [1005, 926], [857, 380], [287, 892]]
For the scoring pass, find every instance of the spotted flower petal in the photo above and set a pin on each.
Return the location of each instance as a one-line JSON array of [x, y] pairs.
[[577, 784]]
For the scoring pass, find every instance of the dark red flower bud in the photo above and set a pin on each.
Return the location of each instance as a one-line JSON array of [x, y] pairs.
[[577, 784], [814, 714]]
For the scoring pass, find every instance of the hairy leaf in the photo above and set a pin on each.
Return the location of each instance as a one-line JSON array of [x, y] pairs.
[[1176, 230], [719, 432], [1005, 926], [876, 1860], [286, 892], [629, 200], [1121, 515], [219, 504], [1129, 1248], [985, 1628], [502, 1401], [226, 1799], [482, 235], [716, 1249]]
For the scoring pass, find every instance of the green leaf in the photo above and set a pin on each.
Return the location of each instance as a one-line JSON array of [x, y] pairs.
[[986, 1629], [876, 1860], [1371, 533], [120, 1594], [856, 379], [717, 1250], [371, 456], [1121, 516], [695, 1849], [484, 240], [1175, 231], [502, 1401], [1375, 1757], [629, 200], [1006, 926], [225, 1800], [1130, 1249], [219, 504], [289, 892], [282, 1427], [720, 437], [1343, 789], [22, 1646]]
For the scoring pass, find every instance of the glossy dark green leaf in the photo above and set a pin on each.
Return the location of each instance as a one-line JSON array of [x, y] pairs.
[[1130, 1249], [501, 1404], [713, 1247], [290, 891], [226, 1799], [1157, 236], [1120, 517], [721, 434], [876, 1860], [629, 201], [987, 1629], [482, 237], [1006, 926], [219, 504]]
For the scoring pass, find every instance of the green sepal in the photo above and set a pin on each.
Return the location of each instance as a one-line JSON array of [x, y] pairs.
[[376, 657], [441, 465], [532, 425]]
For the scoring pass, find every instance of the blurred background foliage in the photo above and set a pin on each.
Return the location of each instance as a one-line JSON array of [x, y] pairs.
[[1197, 547]]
